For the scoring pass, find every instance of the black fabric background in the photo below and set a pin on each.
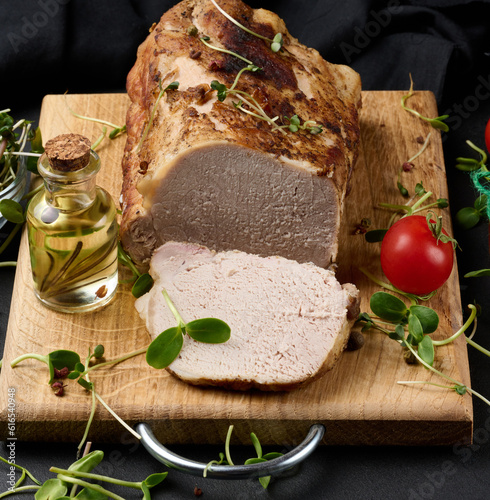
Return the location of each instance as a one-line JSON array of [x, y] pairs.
[[85, 46]]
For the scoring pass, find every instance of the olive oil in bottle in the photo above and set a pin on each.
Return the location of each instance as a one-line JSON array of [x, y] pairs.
[[72, 229]]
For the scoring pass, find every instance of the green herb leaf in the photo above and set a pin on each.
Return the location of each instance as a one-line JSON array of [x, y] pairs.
[[398, 334], [467, 164], [86, 384], [256, 443], [388, 307], [98, 351], [402, 189], [419, 189], [88, 462], [154, 479], [375, 236], [415, 329], [73, 375], [264, 481], [59, 359], [468, 217], [425, 350], [478, 273], [12, 211], [90, 494], [428, 318], [165, 348], [442, 203], [208, 330], [79, 367], [277, 42], [52, 489], [255, 460], [460, 389], [142, 285], [221, 89], [146, 492], [272, 455]]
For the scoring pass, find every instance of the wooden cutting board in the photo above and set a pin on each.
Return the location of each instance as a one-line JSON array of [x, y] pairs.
[[359, 401]]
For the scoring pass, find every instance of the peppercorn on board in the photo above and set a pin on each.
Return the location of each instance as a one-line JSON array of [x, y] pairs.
[[359, 401]]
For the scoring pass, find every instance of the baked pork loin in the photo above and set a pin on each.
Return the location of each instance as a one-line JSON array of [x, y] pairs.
[[289, 321], [200, 170]]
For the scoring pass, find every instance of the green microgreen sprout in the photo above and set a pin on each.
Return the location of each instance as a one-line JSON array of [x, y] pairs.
[[96, 144], [295, 124], [170, 86], [225, 458], [408, 166], [142, 282], [411, 327], [253, 107], [167, 346], [437, 123], [469, 217], [205, 41], [56, 488], [377, 235], [117, 130], [264, 480], [276, 42], [249, 105]]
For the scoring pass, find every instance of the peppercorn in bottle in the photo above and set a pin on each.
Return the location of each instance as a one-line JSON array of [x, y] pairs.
[[72, 229]]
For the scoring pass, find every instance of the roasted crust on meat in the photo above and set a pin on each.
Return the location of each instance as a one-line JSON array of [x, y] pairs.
[[295, 81]]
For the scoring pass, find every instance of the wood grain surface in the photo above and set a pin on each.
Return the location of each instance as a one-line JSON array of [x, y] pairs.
[[359, 401]]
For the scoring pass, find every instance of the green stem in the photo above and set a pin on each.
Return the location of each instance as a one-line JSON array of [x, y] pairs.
[[8, 263], [234, 21], [91, 416], [96, 477], [421, 200], [22, 469], [226, 51], [429, 367], [425, 207], [424, 382], [39, 357], [481, 151], [90, 119], [171, 306], [422, 149], [100, 139], [20, 489], [461, 330], [114, 361], [227, 445], [477, 346], [117, 417], [85, 484], [239, 74], [388, 286]]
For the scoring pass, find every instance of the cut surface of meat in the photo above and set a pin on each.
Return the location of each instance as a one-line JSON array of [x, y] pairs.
[[289, 322], [203, 171]]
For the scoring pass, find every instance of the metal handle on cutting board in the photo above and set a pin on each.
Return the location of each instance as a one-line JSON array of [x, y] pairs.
[[274, 466]]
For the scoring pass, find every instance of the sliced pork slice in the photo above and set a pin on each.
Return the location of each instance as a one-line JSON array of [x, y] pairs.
[[289, 321], [208, 173]]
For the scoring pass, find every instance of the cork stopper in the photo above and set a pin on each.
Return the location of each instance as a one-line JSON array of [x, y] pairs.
[[68, 152]]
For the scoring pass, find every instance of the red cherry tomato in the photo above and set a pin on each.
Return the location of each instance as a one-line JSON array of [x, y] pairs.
[[413, 259], [487, 136]]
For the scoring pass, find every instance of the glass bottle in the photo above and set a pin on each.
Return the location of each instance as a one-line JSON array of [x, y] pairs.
[[72, 229]]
